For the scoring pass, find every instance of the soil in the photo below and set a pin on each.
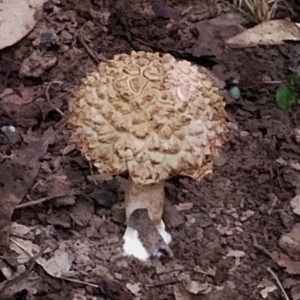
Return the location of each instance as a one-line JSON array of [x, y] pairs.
[[230, 224]]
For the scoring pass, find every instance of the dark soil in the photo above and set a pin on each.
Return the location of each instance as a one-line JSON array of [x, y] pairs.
[[244, 205]]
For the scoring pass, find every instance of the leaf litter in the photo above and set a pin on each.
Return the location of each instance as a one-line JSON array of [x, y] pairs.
[[17, 19], [14, 183], [220, 209]]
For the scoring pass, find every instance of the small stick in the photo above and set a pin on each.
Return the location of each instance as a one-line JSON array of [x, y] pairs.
[[164, 283], [259, 247], [50, 101], [92, 173], [88, 50], [79, 281], [279, 283], [41, 200]]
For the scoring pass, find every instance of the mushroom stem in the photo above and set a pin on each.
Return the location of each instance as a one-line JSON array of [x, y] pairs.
[[150, 197], [145, 196]]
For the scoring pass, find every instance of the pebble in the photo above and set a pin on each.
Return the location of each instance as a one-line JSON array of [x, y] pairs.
[[235, 93]]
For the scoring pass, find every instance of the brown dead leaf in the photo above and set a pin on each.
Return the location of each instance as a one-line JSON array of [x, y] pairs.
[[273, 32], [60, 186], [112, 289], [17, 175], [291, 267], [295, 292], [193, 290], [213, 33], [290, 242], [266, 287], [60, 261], [164, 11], [181, 294], [17, 19], [82, 211], [195, 287], [23, 95]]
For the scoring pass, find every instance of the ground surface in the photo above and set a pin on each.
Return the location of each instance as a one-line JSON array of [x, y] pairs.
[[230, 236]]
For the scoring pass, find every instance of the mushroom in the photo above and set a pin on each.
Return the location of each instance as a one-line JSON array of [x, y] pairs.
[[151, 116]]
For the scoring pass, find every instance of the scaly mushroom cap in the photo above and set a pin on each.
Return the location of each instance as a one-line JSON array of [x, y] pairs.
[[149, 115]]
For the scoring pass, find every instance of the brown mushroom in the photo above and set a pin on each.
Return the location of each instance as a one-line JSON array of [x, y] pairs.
[[152, 116]]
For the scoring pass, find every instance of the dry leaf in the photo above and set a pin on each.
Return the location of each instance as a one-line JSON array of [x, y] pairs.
[[295, 292], [60, 262], [267, 287], [273, 32], [290, 242], [82, 211], [195, 287], [17, 175], [17, 19], [291, 267], [181, 294]]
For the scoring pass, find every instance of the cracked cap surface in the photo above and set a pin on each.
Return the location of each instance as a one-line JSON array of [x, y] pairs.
[[150, 115]]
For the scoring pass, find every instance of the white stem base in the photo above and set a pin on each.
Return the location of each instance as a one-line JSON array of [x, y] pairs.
[[133, 246]]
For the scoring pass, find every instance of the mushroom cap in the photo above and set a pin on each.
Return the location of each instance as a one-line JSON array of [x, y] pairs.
[[150, 115]]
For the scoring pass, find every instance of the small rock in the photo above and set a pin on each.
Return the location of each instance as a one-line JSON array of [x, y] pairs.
[[246, 215], [46, 38], [236, 253], [297, 135], [295, 205], [66, 36], [191, 220], [235, 93], [262, 178], [48, 6], [244, 133], [103, 197], [221, 161], [184, 206], [134, 288]]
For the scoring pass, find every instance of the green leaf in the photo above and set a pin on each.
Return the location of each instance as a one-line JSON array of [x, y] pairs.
[[295, 79], [285, 96]]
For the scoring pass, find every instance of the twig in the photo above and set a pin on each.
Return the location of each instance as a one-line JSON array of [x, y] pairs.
[[279, 283], [79, 281], [164, 283], [50, 101], [92, 173], [41, 200], [88, 50], [262, 249]]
